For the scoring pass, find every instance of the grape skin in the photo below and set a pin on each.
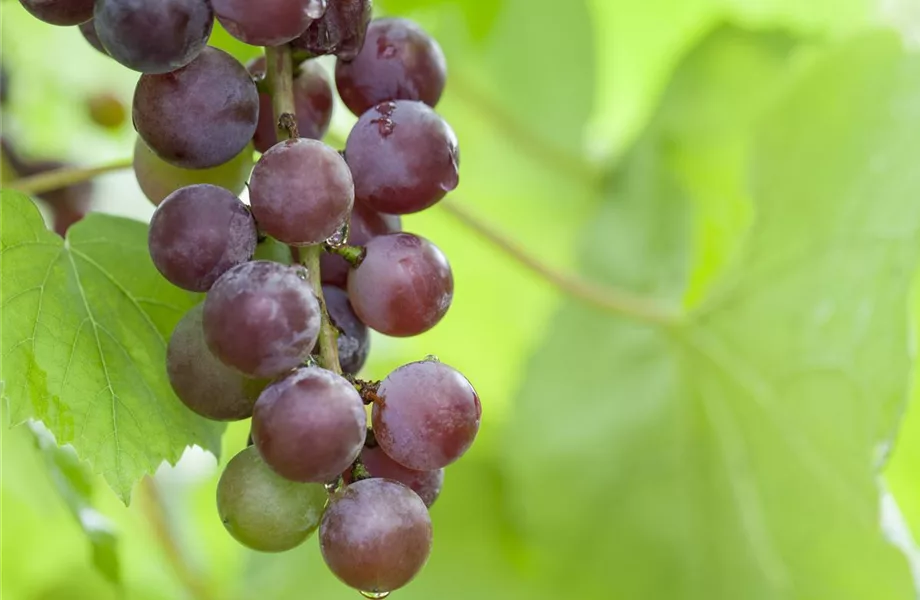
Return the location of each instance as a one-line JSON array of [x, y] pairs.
[[199, 116], [404, 157], [403, 287], [261, 318], [88, 29], [365, 225], [204, 384], [310, 425], [399, 61], [266, 22], [340, 31], [427, 484], [199, 232], [353, 340], [60, 12], [376, 535], [264, 511], [427, 417], [301, 192], [153, 37]]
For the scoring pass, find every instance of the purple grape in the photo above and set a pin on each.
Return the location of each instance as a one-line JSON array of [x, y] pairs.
[[428, 415], [88, 29], [198, 233], [399, 61], [267, 22], [403, 287], [60, 12], [310, 425], [375, 535], [365, 225], [203, 383], [153, 37], [301, 192], [404, 157], [263, 511], [427, 484], [261, 318], [340, 31], [353, 342], [201, 115], [312, 101]]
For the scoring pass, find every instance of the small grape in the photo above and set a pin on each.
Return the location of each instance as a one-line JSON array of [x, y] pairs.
[[340, 31], [264, 511], [353, 342], [399, 61], [310, 425], [261, 318], [266, 22], [301, 192], [427, 484], [60, 12], [403, 287], [404, 157], [203, 383], [88, 29], [428, 415], [153, 37], [198, 233], [365, 225], [312, 102], [375, 535], [106, 110], [201, 115], [158, 179]]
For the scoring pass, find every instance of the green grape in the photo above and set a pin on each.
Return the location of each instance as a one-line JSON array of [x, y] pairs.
[[263, 510], [159, 179], [271, 249]]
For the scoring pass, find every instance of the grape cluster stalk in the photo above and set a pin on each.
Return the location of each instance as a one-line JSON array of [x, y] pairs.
[[282, 336]]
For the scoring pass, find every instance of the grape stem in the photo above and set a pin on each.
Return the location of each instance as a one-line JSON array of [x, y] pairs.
[[353, 254], [280, 74], [61, 178]]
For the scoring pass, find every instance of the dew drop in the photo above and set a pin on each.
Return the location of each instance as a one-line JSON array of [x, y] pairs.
[[316, 8], [375, 595]]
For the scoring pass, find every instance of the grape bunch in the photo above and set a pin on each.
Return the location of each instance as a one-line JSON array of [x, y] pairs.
[[294, 281]]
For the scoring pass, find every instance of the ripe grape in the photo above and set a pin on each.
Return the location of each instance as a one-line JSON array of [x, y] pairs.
[[353, 342], [427, 484], [404, 157], [375, 535], [310, 425], [261, 318], [403, 287], [340, 31], [365, 225], [198, 233], [154, 37], [158, 179], [201, 115], [267, 22], [312, 102], [427, 416], [88, 29], [60, 12], [203, 383], [399, 61], [301, 192], [264, 511]]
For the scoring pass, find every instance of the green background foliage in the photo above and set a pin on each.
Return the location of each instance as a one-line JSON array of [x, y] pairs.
[[752, 165]]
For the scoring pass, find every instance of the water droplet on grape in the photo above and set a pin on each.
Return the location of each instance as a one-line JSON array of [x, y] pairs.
[[316, 8], [375, 595], [432, 358], [339, 238]]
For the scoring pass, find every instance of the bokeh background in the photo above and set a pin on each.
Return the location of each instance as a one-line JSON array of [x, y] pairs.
[[552, 101]]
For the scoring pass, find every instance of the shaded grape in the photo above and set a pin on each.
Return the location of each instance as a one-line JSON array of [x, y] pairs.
[[199, 232], [404, 157], [428, 415], [158, 178], [365, 225], [301, 191], [199, 116], [261, 318], [427, 484], [339, 31], [264, 511], [88, 29], [399, 61], [153, 37], [353, 340], [403, 287], [375, 535], [267, 22], [203, 383], [310, 425], [60, 12]]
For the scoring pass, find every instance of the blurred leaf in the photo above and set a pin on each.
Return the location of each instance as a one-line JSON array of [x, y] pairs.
[[478, 16], [734, 451], [74, 483], [85, 322]]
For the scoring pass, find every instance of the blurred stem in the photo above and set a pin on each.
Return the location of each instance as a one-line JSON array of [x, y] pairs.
[[61, 178], [281, 81]]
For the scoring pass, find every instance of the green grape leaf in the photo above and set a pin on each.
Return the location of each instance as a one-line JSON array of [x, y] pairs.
[[74, 483], [84, 327], [478, 16], [733, 454]]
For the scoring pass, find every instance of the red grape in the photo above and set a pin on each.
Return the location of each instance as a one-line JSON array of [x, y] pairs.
[[60, 12], [427, 484], [365, 225], [353, 342], [267, 22], [340, 31]]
